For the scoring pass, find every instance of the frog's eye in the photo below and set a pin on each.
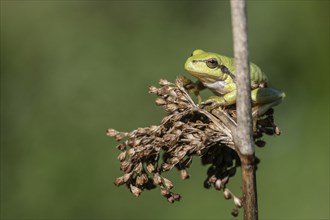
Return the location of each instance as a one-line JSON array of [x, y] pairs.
[[212, 63]]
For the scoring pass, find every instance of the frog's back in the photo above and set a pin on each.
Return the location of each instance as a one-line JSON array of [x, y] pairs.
[[256, 74]]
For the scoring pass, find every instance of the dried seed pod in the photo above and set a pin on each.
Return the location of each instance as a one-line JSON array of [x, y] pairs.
[[170, 107], [166, 166], [121, 146], [141, 130], [119, 181], [126, 167], [225, 179], [235, 212], [184, 174], [123, 179], [277, 131], [121, 157], [138, 168], [218, 184], [135, 190], [150, 168], [238, 202], [173, 160], [167, 183], [153, 128], [260, 143], [182, 105], [141, 179], [227, 193], [153, 89], [164, 91], [176, 196], [157, 179], [164, 192], [171, 199], [164, 82], [130, 152], [212, 179], [120, 136], [112, 132], [160, 101], [207, 184]]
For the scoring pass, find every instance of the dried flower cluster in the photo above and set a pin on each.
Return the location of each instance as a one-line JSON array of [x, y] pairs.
[[205, 130]]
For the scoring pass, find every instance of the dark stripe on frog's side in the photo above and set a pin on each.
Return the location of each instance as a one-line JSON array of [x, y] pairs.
[[223, 69]]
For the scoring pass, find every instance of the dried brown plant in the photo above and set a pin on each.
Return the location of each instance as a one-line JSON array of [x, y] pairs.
[[205, 130]]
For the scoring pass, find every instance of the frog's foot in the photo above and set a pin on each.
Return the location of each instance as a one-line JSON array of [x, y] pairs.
[[266, 98], [193, 87]]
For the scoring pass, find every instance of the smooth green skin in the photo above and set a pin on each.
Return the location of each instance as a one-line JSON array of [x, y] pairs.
[[217, 73]]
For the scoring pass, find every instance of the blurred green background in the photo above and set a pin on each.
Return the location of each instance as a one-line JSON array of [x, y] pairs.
[[72, 69]]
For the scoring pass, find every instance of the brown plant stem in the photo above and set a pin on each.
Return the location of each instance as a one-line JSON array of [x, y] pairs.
[[243, 139]]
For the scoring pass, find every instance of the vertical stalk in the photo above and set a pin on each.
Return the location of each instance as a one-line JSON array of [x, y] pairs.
[[244, 140]]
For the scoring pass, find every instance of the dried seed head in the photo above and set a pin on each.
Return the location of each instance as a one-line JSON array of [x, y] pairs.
[[186, 131]]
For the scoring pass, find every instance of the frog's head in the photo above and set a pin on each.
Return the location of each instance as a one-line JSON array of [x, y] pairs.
[[205, 66]]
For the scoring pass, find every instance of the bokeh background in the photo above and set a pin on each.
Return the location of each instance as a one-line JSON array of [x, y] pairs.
[[72, 69]]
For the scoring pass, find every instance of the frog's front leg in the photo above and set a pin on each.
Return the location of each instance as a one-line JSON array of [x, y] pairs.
[[266, 98]]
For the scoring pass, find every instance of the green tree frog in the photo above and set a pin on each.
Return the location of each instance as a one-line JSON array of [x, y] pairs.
[[217, 73]]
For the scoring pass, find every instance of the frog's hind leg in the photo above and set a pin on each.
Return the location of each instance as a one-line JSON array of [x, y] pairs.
[[266, 98], [225, 100]]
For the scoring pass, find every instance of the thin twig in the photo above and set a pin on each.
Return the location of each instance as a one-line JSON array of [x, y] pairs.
[[244, 140]]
